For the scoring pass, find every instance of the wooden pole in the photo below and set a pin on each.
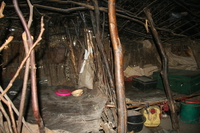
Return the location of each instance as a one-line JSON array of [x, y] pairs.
[[100, 44], [119, 76], [33, 71], [164, 72]]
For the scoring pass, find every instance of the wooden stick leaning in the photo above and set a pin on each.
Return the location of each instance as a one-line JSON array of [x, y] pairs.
[[2, 128], [26, 73], [7, 118], [12, 117], [23, 62], [15, 110], [10, 38], [164, 73], [34, 91], [19, 69]]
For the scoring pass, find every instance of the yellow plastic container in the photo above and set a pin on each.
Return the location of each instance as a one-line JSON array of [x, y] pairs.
[[152, 115]]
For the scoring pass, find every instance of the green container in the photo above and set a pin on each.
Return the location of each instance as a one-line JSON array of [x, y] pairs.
[[182, 81], [190, 111]]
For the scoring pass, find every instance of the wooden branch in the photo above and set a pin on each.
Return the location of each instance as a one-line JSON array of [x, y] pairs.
[[143, 104], [26, 73], [164, 73], [7, 117], [85, 27], [119, 77], [93, 22], [10, 38], [171, 31], [120, 13], [24, 89], [100, 45], [76, 28], [3, 4], [31, 13], [96, 10], [33, 66], [2, 123], [104, 9], [23, 62], [12, 117], [73, 59], [85, 6], [111, 86], [59, 9], [33, 83], [33, 71], [103, 27], [15, 109]]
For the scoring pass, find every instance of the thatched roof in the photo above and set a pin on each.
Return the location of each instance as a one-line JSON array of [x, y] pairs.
[[173, 18]]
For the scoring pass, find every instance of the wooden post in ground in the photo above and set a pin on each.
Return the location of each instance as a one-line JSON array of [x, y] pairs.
[[164, 72], [119, 75]]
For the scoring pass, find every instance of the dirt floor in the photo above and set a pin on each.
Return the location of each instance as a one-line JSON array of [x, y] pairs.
[[82, 114], [165, 125], [65, 113]]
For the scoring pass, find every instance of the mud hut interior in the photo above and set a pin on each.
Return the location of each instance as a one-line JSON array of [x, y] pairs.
[[98, 66]]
